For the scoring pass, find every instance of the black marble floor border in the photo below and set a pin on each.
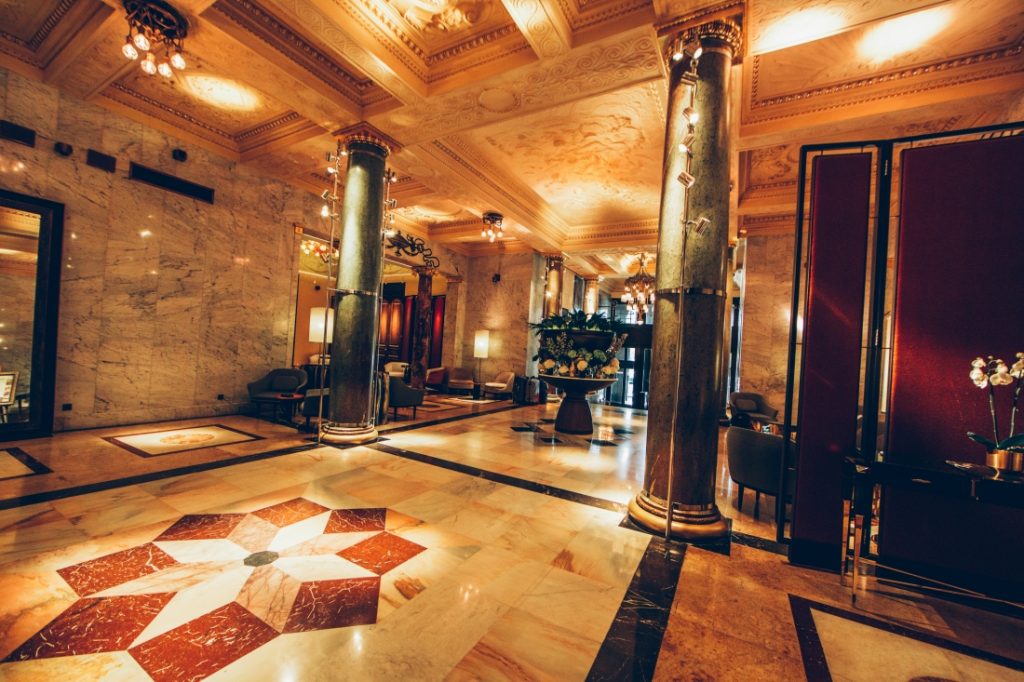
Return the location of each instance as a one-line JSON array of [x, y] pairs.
[[116, 440], [48, 495], [631, 647], [505, 479], [34, 465], [760, 543], [454, 418], [813, 654]]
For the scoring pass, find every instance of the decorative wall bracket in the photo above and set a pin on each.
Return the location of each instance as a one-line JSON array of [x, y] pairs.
[[408, 245]]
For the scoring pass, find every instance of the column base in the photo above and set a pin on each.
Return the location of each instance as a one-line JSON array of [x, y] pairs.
[[689, 522], [337, 433]]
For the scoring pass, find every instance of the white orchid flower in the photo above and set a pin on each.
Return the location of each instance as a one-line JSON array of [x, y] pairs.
[[1017, 371], [1001, 375], [977, 363], [979, 378]]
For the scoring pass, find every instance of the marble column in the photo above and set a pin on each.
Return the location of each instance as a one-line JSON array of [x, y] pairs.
[[590, 295], [422, 324], [352, 413], [682, 434], [553, 290]]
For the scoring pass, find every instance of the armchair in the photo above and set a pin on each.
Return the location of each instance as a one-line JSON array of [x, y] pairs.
[[311, 404], [276, 382], [460, 379], [401, 394], [752, 406], [500, 385], [396, 369], [436, 378], [754, 462]]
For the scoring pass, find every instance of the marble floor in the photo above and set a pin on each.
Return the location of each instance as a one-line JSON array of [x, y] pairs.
[[470, 549]]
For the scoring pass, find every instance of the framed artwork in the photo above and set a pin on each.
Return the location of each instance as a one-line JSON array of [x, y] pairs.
[[8, 387]]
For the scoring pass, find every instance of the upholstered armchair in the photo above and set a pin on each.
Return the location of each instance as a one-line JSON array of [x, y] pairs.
[[396, 369], [276, 382], [753, 406], [400, 394], [500, 385], [311, 404], [436, 378], [460, 379], [755, 459]]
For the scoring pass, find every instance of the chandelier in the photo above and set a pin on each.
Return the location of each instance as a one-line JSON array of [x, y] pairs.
[[315, 247], [640, 289], [153, 24], [492, 226]]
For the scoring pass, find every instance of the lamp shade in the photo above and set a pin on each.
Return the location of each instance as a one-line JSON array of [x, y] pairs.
[[316, 325], [481, 343]]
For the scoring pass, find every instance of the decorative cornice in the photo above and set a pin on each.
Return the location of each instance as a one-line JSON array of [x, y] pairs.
[[289, 117], [472, 43], [698, 16], [881, 79], [16, 48], [50, 23], [258, 22], [581, 16], [160, 106]]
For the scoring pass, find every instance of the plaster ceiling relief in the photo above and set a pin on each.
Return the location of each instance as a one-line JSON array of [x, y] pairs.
[[772, 165], [778, 24], [927, 36], [593, 161], [435, 211]]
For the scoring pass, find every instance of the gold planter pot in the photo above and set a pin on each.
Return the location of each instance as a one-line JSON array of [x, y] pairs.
[[1005, 460]]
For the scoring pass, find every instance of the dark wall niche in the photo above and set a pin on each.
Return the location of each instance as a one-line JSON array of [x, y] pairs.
[[16, 133], [170, 182], [100, 160]]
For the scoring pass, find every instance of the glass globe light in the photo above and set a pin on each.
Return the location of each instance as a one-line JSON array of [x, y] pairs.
[[141, 42], [177, 61], [149, 64], [164, 69], [129, 51]]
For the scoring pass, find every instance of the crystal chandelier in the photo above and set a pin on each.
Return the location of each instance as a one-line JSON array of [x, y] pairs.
[[153, 24], [640, 289], [492, 226], [315, 247]]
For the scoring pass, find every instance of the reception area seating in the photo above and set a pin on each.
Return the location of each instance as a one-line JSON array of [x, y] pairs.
[[280, 388], [748, 407], [500, 386], [755, 460], [437, 379], [460, 380], [400, 394]]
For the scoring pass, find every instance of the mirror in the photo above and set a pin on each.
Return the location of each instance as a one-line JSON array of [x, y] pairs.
[[30, 238]]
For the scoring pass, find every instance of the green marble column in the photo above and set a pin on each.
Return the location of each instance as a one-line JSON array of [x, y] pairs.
[[553, 290], [682, 434], [422, 324], [351, 417]]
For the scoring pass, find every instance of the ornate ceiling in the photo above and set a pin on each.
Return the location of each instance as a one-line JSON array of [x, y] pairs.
[[549, 111]]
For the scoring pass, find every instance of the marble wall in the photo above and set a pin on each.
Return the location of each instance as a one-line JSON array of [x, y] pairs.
[[166, 302], [505, 309], [767, 291]]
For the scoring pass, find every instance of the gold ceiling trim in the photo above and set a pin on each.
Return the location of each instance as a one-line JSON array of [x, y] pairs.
[[580, 16], [364, 132], [9, 45], [258, 130], [477, 41], [257, 21], [959, 62], [50, 23], [684, 21]]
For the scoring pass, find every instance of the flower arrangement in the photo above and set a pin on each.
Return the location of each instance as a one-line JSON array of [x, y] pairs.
[[559, 356], [575, 344], [989, 373]]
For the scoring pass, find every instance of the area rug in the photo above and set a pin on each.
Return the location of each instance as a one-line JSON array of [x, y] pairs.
[[471, 401], [167, 442], [848, 645], [430, 406], [16, 463]]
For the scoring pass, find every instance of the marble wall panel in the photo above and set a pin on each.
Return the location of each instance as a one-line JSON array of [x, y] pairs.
[[767, 291], [155, 326], [504, 309]]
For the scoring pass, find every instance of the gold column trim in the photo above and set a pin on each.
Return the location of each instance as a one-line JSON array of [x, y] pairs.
[[715, 33]]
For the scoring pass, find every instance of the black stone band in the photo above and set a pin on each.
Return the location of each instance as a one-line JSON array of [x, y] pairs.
[[703, 291]]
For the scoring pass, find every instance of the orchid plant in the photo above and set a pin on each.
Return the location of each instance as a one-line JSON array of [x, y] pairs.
[[559, 356], [989, 373]]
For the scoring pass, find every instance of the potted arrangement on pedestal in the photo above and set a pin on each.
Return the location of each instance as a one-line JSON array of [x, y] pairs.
[[1006, 454], [577, 356]]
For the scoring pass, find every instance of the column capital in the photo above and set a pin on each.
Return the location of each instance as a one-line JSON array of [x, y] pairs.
[[424, 270], [367, 134], [718, 33], [554, 259]]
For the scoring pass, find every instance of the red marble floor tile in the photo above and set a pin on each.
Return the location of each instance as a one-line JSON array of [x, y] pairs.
[[285, 513], [355, 520], [381, 553], [202, 527], [203, 646], [99, 574], [91, 626], [327, 604]]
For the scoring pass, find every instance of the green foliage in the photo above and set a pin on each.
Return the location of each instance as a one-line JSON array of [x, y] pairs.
[[577, 320]]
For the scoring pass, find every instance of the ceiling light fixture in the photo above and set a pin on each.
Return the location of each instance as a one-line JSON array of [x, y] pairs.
[[315, 247], [639, 289], [152, 25], [492, 226]]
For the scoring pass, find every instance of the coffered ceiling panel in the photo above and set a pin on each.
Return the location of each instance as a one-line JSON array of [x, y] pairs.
[[28, 23], [594, 161]]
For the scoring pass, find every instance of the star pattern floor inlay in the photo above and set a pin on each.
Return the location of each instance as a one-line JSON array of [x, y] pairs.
[[212, 588]]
